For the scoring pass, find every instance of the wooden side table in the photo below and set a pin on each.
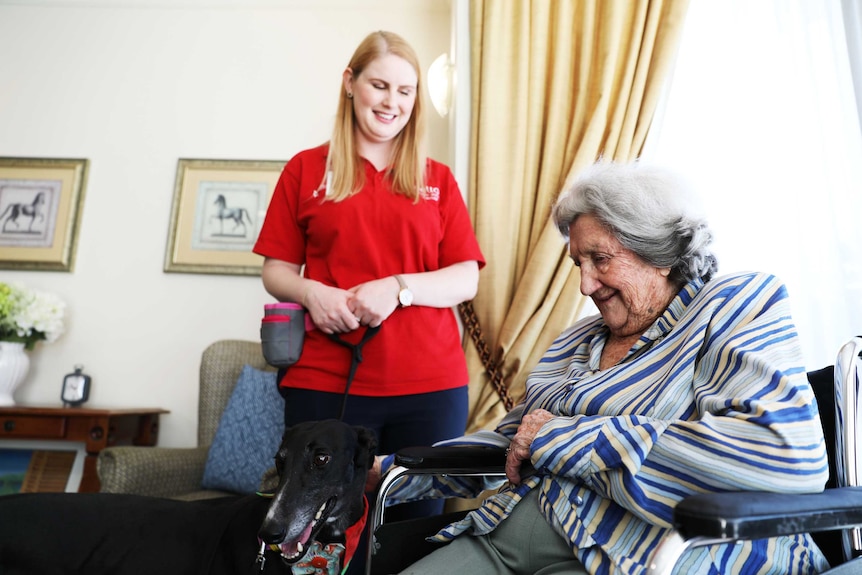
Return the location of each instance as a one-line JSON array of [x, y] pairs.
[[97, 428]]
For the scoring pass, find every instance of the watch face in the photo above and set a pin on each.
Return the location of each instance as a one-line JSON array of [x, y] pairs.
[[405, 296]]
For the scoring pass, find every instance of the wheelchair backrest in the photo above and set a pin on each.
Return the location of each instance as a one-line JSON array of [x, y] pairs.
[[848, 371], [823, 383]]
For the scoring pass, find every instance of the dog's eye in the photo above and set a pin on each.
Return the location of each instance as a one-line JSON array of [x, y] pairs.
[[321, 459]]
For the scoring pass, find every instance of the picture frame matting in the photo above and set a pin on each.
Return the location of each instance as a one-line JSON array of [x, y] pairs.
[[216, 215], [41, 201]]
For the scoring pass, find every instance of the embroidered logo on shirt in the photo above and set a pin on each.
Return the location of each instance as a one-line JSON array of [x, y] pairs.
[[431, 193]]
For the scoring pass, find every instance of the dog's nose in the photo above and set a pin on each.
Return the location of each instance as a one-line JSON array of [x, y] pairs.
[[272, 534]]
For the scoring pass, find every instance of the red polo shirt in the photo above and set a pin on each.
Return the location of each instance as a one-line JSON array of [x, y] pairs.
[[371, 235]]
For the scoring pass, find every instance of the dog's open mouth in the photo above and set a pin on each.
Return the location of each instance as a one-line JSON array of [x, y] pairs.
[[293, 551]]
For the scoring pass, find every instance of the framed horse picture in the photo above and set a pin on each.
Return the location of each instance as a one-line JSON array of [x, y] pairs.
[[40, 212], [216, 215]]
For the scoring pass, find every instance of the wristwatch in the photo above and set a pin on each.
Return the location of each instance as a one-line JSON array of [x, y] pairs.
[[405, 296]]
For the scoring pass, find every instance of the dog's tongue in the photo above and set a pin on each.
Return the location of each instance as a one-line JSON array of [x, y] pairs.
[[291, 548]]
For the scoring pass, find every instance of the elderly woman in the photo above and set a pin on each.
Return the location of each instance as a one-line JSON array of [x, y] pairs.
[[684, 383]]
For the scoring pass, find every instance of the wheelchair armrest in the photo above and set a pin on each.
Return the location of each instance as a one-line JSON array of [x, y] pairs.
[[453, 459], [758, 515], [709, 518], [465, 460]]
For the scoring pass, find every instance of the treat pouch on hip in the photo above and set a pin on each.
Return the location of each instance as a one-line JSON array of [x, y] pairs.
[[282, 332]]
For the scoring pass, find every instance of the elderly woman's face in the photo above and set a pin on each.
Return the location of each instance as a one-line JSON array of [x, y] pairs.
[[630, 293]]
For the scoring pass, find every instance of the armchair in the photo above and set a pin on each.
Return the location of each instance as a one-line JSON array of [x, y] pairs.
[[178, 472]]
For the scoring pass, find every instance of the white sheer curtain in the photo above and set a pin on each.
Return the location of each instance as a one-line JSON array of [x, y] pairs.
[[761, 117]]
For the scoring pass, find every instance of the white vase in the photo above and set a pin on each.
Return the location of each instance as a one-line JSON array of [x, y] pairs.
[[14, 365]]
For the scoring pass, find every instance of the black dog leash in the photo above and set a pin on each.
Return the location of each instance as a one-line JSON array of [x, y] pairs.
[[355, 360]]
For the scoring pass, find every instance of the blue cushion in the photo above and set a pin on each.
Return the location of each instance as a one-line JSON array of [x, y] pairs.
[[248, 434]]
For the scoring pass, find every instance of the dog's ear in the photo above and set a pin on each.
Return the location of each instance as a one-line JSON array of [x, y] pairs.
[[366, 447]]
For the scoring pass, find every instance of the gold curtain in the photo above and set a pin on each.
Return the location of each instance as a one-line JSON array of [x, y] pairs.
[[555, 85]]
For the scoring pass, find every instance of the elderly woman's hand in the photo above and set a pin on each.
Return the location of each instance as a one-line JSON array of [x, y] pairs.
[[519, 449], [374, 474]]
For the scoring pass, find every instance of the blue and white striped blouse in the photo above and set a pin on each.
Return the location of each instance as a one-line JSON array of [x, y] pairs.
[[713, 397]]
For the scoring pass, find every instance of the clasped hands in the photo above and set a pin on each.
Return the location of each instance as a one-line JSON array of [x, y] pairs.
[[336, 310]]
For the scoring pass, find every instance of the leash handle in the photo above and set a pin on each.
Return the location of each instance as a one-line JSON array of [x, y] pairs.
[[355, 359]]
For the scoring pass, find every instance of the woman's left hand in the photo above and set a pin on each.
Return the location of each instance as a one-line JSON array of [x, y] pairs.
[[374, 301], [519, 449]]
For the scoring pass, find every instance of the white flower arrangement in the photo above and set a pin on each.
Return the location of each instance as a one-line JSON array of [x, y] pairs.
[[28, 316]]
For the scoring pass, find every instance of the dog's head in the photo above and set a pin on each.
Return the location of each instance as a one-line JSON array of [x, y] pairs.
[[322, 467]]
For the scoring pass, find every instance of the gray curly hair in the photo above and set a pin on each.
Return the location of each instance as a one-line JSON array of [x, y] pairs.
[[650, 210]]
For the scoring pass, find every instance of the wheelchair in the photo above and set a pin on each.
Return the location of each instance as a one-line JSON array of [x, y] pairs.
[[833, 517]]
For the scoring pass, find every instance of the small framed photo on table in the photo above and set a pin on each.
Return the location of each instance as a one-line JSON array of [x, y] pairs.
[[217, 213], [40, 212]]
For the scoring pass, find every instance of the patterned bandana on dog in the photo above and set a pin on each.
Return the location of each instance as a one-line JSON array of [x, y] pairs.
[[331, 558]]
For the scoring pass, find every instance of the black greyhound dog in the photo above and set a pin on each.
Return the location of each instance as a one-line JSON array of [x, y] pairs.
[[322, 470]]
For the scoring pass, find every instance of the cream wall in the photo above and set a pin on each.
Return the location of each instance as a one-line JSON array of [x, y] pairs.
[[133, 86]]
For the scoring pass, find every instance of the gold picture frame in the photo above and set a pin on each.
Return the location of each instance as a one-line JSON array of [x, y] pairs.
[[216, 215], [41, 201]]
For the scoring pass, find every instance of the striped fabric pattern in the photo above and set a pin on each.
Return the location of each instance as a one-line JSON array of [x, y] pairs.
[[713, 397]]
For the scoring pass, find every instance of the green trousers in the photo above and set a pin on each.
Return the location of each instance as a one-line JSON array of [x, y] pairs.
[[523, 544]]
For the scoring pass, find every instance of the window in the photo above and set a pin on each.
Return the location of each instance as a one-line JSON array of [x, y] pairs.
[[761, 116]]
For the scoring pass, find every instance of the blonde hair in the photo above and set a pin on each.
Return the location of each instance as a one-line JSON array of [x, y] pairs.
[[343, 164]]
